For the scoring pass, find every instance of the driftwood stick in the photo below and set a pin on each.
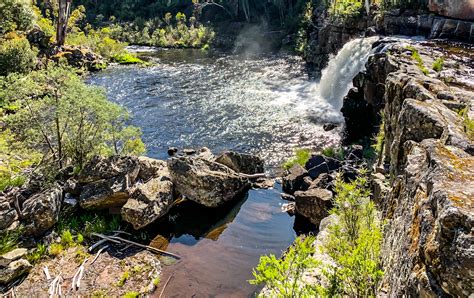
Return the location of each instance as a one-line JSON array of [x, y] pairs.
[[253, 176], [164, 287], [117, 239], [121, 232], [100, 242], [77, 276], [46, 272], [98, 253]]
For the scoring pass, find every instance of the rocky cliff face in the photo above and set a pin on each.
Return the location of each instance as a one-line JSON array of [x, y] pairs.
[[429, 208], [329, 36]]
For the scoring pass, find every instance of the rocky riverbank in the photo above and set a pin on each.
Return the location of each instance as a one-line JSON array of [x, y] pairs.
[[423, 181], [140, 189]]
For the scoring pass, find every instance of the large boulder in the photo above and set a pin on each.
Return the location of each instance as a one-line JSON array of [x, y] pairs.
[[14, 270], [104, 168], [148, 202], [241, 163], [456, 9], [205, 182], [109, 181], [151, 168], [296, 179], [41, 211], [313, 204], [106, 193]]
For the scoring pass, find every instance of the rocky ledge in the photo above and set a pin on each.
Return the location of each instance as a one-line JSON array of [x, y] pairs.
[[141, 189]]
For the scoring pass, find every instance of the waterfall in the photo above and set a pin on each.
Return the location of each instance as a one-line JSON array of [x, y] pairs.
[[336, 79]]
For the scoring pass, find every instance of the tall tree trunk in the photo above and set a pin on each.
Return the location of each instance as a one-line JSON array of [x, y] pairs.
[[63, 17]]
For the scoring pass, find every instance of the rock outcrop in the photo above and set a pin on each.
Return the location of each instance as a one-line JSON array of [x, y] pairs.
[[455, 9], [78, 56], [205, 182], [313, 204], [427, 202], [241, 163]]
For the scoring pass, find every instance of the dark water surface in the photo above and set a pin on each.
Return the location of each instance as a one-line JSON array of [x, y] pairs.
[[255, 105]]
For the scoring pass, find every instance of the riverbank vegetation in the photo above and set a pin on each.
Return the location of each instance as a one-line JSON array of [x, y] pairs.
[[353, 244]]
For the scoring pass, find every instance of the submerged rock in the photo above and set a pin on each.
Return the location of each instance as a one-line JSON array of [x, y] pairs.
[[313, 204], [205, 182], [148, 202], [241, 163]]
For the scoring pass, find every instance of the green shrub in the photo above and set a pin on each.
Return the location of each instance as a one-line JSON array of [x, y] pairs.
[[301, 157], [438, 64], [333, 152], [343, 9], [16, 56], [354, 242], [127, 58], [69, 121], [283, 276], [9, 241], [37, 254], [131, 295], [467, 122], [16, 15], [123, 279], [419, 61], [55, 249]]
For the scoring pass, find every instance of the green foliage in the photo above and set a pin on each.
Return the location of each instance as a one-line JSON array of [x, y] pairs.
[[15, 159], [16, 56], [354, 242], [16, 15], [65, 119], [343, 9], [85, 224], [131, 295], [99, 41], [55, 249], [419, 61], [177, 32], [9, 240], [127, 58], [123, 279], [67, 239], [156, 281], [468, 123], [333, 152], [304, 28], [37, 254], [407, 4], [301, 157], [438, 64], [283, 276]]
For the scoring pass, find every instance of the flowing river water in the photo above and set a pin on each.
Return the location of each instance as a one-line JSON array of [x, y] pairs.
[[265, 105]]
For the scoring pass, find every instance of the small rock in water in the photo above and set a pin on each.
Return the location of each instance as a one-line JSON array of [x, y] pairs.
[[287, 197], [189, 151], [172, 151], [329, 126]]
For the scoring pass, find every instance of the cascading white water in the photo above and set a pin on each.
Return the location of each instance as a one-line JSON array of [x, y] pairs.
[[336, 79]]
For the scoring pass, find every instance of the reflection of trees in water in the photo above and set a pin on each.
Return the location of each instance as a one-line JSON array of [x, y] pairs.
[[190, 218]]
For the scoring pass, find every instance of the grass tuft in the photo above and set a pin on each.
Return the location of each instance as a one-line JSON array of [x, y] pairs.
[[301, 157]]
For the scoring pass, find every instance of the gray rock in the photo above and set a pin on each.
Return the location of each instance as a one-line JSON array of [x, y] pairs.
[[105, 168], [11, 256], [148, 202], [106, 193], [295, 179], [14, 270], [151, 168], [241, 163], [41, 211], [205, 182], [313, 204], [8, 213]]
